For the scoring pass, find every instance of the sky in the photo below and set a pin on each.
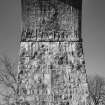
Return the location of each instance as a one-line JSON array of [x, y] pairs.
[[93, 32]]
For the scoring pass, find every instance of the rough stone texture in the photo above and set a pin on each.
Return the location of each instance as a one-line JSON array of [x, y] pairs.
[[52, 67]]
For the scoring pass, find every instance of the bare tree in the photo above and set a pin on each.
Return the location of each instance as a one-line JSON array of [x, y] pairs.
[[97, 89], [8, 79]]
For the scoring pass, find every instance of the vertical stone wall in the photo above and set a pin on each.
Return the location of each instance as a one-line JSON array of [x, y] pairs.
[[50, 20], [52, 67]]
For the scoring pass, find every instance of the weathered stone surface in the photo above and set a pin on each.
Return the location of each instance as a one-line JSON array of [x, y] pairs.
[[52, 67]]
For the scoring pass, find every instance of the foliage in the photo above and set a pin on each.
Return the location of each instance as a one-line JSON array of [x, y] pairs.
[[8, 79], [97, 89]]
